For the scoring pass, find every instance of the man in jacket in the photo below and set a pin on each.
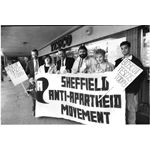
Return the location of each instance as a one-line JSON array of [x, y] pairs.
[[84, 63], [133, 88], [65, 63], [31, 70]]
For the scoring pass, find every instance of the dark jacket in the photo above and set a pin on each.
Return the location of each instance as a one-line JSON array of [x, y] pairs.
[[68, 64], [135, 85], [30, 68]]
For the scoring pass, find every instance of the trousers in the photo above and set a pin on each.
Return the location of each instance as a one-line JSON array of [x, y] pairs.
[[131, 108]]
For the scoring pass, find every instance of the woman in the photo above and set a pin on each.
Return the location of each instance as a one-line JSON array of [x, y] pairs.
[[102, 64], [48, 67]]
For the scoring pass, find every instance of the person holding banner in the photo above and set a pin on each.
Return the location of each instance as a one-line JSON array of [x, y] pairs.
[[133, 88], [48, 67], [84, 63], [31, 70], [102, 64], [65, 63]]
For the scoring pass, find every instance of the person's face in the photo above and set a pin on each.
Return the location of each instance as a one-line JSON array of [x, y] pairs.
[[82, 53], [100, 58], [26, 59], [47, 60], [125, 50], [61, 54], [34, 55]]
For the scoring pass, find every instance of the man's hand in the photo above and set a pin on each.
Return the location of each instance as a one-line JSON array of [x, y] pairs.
[[31, 80]]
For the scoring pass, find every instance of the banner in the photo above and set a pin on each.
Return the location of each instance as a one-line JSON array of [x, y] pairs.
[[16, 73], [125, 73], [77, 97]]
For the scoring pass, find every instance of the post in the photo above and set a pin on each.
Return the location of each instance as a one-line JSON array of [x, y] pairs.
[[24, 89]]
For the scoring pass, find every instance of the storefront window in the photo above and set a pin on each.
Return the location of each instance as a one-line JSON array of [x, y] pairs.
[[145, 51]]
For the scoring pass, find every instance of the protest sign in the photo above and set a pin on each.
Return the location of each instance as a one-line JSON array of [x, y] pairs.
[[16, 73], [125, 73], [76, 97]]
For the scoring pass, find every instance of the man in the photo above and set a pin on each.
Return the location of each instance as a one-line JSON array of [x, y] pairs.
[[84, 63], [31, 70], [133, 88], [65, 63]]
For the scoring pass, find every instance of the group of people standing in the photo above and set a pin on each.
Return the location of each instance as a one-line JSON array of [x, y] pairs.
[[89, 64]]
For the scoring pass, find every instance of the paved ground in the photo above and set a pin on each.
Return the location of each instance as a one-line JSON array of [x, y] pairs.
[[16, 108]]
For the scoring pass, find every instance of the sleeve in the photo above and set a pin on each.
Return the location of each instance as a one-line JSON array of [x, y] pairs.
[[40, 70], [117, 62], [27, 70], [54, 69], [58, 65], [111, 67]]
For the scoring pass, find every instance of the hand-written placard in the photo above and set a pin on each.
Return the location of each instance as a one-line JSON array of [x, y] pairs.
[[16, 73], [77, 97], [125, 73]]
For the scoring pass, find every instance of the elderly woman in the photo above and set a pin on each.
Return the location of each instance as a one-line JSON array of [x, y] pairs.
[[48, 67], [102, 64]]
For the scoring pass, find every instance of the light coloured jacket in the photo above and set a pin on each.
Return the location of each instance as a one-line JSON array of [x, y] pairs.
[[52, 69], [88, 66]]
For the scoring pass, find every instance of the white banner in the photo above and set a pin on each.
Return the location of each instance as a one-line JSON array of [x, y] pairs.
[[77, 97], [16, 73]]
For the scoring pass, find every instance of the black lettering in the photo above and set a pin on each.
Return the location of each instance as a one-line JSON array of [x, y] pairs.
[[51, 95], [64, 108], [79, 113], [71, 97], [63, 81], [76, 97], [117, 101], [105, 84], [107, 116], [56, 94], [85, 114], [81, 99], [91, 85], [100, 118], [77, 82], [68, 82], [87, 100], [72, 82], [92, 100], [83, 83], [96, 85], [111, 101], [93, 116], [105, 101]]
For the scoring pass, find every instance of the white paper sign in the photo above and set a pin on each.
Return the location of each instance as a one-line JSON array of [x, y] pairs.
[[16, 73], [125, 73]]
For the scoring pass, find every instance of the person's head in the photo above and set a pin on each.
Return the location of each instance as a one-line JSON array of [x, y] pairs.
[[82, 51], [125, 48], [47, 59], [100, 55], [34, 54], [26, 59], [62, 53]]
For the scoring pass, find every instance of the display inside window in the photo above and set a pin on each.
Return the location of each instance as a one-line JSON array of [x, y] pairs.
[[145, 52]]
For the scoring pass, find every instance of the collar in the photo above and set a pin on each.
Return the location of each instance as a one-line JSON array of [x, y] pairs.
[[129, 57]]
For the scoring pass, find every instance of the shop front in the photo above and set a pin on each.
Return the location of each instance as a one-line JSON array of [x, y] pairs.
[[109, 38]]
